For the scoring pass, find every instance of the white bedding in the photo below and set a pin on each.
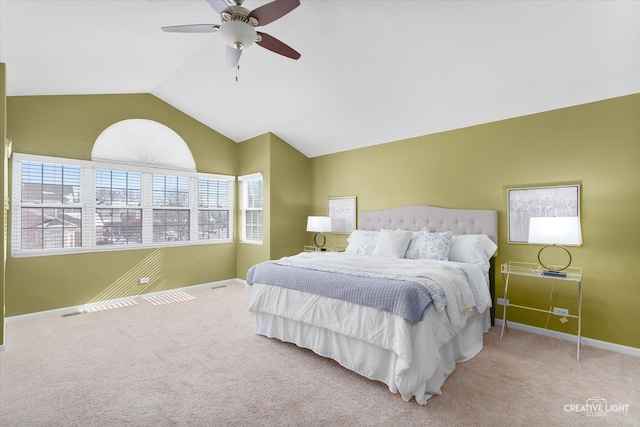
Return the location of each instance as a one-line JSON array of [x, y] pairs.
[[412, 360]]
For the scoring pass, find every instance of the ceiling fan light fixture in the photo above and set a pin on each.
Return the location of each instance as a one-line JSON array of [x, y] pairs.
[[238, 33]]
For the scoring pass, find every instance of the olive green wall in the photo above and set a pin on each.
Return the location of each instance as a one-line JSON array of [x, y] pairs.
[[254, 155], [287, 188], [67, 126], [290, 199], [596, 145], [4, 185]]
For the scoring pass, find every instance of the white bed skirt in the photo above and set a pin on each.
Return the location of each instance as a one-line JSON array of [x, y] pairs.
[[421, 380]]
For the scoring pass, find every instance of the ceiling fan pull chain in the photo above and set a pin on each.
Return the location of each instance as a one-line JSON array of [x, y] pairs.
[[237, 69]]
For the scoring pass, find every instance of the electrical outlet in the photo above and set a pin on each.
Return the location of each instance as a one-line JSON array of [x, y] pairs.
[[500, 301], [144, 280], [560, 311]]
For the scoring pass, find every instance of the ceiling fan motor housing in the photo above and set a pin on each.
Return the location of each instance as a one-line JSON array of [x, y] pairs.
[[237, 28]]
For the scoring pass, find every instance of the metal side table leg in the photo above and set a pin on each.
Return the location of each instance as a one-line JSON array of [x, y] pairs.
[[505, 279], [579, 319]]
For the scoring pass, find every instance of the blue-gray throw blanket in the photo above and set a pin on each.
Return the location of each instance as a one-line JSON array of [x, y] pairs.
[[403, 298]]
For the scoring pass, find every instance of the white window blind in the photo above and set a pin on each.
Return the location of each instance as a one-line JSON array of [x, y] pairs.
[[50, 214], [215, 213], [251, 208], [68, 206], [171, 215], [118, 207]]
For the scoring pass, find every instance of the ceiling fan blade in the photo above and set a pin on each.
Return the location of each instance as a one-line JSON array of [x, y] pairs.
[[192, 28], [274, 10], [233, 56], [218, 5], [275, 45]]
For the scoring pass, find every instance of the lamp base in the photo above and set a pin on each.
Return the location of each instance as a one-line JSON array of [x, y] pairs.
[[324, 242], [557, 271]]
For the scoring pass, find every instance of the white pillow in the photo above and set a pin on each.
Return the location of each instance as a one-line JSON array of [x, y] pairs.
[[362, 242], [428, 245], [472, 248], [392, 243]]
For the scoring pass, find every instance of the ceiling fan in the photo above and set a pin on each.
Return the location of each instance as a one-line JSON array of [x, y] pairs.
[[238, 27]]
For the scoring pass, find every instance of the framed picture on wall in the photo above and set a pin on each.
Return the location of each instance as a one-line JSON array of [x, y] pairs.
[[525, 203], [342, 211]]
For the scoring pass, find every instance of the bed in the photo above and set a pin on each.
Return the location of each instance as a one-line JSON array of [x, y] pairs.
[[409, 298]]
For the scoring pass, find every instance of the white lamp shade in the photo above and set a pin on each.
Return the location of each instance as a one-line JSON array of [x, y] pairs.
[[555, 230], [319, 224]]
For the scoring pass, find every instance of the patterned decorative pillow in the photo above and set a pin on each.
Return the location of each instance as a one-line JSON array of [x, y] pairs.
[[411, 249], [428, 245], [362, 242], [369, 242]]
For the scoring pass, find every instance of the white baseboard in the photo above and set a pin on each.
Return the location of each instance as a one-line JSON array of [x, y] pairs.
[[80, 308], [632, 351]]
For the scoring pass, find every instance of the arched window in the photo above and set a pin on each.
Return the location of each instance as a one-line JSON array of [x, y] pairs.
[[143, 142], [141, 189]]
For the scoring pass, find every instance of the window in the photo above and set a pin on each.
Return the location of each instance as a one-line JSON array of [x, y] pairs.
[[171, 220], [70, 206], [118, 221], [251, 208], [50, 214], [214, 206]]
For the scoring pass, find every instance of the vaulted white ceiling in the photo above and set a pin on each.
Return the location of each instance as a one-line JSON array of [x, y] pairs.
[[371, 71]]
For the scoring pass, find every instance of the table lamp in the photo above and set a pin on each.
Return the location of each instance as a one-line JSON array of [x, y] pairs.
[[319, 225], [555, 231]]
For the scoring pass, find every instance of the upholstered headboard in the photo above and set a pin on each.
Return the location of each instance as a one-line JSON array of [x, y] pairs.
[[458, 221]]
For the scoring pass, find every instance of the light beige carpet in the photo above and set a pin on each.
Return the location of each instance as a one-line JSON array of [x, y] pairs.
[[196, 362]]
